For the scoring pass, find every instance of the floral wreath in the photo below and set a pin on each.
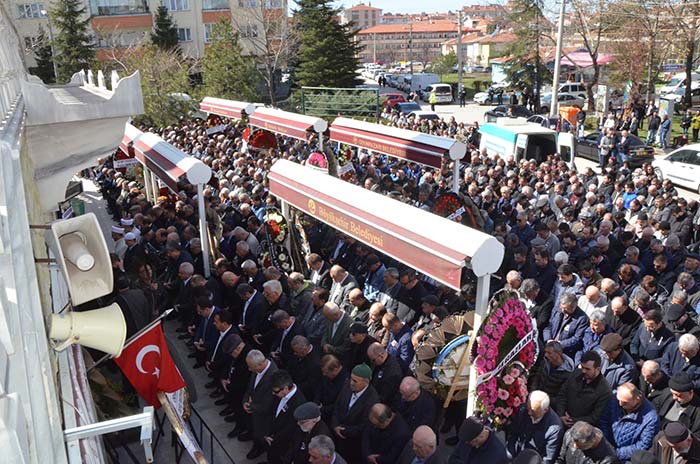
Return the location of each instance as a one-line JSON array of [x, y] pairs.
[[317, 160], [275, 252], [506, 348]]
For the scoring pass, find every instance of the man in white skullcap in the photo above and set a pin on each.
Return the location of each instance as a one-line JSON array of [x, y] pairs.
[[119, 243], [128, 225]]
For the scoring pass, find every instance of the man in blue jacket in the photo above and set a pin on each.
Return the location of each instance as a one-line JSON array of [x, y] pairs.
[[568, 325], [478, 445], [631, 424], [536, 427]]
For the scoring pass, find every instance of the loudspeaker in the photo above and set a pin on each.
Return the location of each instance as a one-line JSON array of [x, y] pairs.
[[81, 252], [103, 329]]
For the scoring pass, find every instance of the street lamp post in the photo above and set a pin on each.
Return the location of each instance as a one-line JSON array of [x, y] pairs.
[[410, 46], [53, 52], [459, 53], [554, 104]]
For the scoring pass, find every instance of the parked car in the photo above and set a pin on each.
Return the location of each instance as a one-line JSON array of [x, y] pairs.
[[640, 152], [500, 111], [443, 93], [418, 115], [681, 166], [565, 99], [390, 99], [406, 107], [543, 121], [679, 94]]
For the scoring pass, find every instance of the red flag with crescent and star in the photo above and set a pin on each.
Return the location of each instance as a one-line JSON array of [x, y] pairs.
[[146, 362]]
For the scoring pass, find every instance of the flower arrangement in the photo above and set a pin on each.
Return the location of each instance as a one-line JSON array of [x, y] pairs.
[[318, 160], [506, 348], [263, 139], [276, 226], [447, 204]]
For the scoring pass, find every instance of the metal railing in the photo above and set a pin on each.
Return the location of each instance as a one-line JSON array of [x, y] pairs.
[[215, 452]]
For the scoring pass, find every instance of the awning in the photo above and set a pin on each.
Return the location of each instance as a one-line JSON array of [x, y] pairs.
[[584, 60], [168, 163], [286, 123], [429, 243], [409, 145], [226, 108]]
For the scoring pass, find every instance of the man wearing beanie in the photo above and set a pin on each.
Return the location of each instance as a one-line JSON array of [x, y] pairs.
[[350, 416], [676, 445], [679, 403], [477, 444], [310, 424]]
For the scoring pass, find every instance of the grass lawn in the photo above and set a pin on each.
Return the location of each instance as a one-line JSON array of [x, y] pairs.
[[472, 82], [675, 127]]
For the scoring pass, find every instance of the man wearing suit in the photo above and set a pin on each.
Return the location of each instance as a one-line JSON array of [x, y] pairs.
[[360, 306], [258, 402], [350, 415], [207, 335], [310, 425], [375, 276], [418, 407], [319, 271], [253, 312], [287, 398], [305, 366], [387, 374], [236, 383], [343, 282], [384, 440], [322, 451], [389, 291], [567, 325], [422, 448], [286, 328], [336, 337], [218, 362]]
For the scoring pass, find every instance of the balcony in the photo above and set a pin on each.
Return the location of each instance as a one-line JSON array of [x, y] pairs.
[[119, 7], [208, 5]]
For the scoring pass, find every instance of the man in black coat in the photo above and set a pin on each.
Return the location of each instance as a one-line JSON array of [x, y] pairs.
[[350, 416], [236, 383], [360, 341], [287, 399], [683, 356], [305, 366], [219, 362], [680, 403], [359, 311], [309, 425], [134, 256], [333, 378], [286, 328], [253, 313], [423, 445], [387, 374], [384, 440], [623, 320], [417, 406], [258, 402]]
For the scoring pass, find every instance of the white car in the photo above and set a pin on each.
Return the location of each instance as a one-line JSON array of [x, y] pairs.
[[564, 100], [681, 166], [481, 98]]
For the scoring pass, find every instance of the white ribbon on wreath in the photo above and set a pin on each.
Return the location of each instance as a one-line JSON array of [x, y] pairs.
[[532, 336], [459, 212]]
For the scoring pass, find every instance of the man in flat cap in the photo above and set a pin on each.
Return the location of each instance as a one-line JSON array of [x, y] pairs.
[[478, 444], [310, 424], [350, 415], [676, 445], [360, 341], [618, 365], [679, 403]]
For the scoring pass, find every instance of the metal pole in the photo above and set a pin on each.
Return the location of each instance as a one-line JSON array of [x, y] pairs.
[[483, 284], [147, 184], [460, 63], [455, 176], [374, 48], [410, 46], [554, 104], [203, 231]]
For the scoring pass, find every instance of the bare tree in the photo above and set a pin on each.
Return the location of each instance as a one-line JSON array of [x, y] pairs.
[[684, 15]]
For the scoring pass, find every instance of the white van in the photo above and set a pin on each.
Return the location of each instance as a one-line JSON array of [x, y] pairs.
[[677, 82], [443, 93], [522, 140], [422, 80]]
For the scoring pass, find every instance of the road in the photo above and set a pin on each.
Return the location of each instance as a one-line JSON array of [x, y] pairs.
[[473, 112]]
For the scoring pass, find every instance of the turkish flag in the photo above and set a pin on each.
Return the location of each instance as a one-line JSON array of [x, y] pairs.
[[146, 362]]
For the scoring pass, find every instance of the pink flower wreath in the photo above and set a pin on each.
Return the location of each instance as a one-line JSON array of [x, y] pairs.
[[499, 397]]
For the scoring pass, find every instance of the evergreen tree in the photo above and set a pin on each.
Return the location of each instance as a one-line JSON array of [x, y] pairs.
[[328, 53], [44, 58], [226, 73], [164, 33], [72, 44], [526, 68]]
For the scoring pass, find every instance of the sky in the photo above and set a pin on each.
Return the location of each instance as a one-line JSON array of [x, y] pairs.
[[410, 6]]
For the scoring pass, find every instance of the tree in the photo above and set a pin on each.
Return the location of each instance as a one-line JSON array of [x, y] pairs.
[[72, 44], [328, 53], [445, 64], [43, 55], [164, 82], [164, 33], [526, 67], [225, 71], [685, 17]]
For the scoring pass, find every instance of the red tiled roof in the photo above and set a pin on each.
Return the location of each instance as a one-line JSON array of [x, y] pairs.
[[418, 27], [362, 7]]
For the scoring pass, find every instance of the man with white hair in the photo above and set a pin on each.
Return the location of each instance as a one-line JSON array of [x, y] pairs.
[[336, 337], [682, 356], [513, 280], [422, 448], [322, 451], [536, 427], [592, 300]]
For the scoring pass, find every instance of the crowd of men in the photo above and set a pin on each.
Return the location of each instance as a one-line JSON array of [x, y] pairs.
[[315, 365]]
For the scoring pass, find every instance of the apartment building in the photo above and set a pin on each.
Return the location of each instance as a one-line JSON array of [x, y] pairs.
[[121, 23], [363, 16], [414, 41]]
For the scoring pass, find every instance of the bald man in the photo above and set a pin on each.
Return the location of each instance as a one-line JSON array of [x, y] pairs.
[[384, 440], [423, 445], [592, 300]]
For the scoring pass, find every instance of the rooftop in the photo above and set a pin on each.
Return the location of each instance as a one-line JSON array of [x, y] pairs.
[[363, 7], [418, 27]]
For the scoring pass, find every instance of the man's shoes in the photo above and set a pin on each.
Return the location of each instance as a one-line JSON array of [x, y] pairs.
[[235, 432], [216, 394], [190, 343], [181, 329], [230, 418], [452, 441], [245, 436], [446, 426], [227, 411], [198, 365], [183, 337], [211, 384], [193, 355], [255, 453], [221, 402]]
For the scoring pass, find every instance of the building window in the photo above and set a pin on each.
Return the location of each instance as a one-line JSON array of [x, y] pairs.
[[118, 7], [248, 3], [249, 31], [30, 10], [178, 5], [208, 32], [273, 4], [215, 5], [184, 34]]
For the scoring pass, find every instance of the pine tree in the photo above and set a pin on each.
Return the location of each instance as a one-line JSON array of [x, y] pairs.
[[72, 44], [164, 33], [43, 56], [328, 53], [225, 71], [526, 67]]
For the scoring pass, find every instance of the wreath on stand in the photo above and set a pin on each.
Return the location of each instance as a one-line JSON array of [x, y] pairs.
[[275, 252], [505, 350], [456, 208]]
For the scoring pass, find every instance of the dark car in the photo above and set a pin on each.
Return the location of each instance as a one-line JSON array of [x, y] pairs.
[[640, 153], [406, 107], [502, 111]]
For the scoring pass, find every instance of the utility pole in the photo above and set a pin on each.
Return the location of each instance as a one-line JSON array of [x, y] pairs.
[[410, 45], [374, 47], [554, 104], [459, 53]]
